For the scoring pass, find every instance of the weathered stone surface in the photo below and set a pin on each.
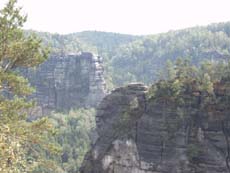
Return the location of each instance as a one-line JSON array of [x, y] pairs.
[[69, 81], [137, 135]]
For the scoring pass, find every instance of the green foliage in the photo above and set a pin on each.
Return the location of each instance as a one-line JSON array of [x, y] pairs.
[[75, 134], [140, 58], [207, 84], [182, 87], [190, 96], [101, 43], [19, 138], [144, 58], [193, 152]]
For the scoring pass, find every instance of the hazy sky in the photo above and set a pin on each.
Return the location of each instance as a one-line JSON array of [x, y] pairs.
[[123, 16]]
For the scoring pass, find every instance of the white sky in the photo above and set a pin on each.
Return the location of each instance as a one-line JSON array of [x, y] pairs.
[[122, 16]]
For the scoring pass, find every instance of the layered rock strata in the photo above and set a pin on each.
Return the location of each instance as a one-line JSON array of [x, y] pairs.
[[69, 81], [138, 135]]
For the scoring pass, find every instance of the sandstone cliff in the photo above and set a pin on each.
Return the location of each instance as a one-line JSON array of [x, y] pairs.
[[68, 81], [141, 135]]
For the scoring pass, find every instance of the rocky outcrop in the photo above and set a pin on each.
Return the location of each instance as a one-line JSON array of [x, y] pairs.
[[140, 135], [69, 81]]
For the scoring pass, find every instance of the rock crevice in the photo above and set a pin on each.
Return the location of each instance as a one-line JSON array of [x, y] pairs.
[[68, 81], [137, 135]]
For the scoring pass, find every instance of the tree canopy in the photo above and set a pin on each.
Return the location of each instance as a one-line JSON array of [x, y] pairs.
[[20, 140]]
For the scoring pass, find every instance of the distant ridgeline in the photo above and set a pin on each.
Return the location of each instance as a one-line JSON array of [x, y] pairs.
[[68, 81], [129, 58]]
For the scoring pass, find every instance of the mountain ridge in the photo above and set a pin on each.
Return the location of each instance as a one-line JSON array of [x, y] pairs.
[[129, 58]]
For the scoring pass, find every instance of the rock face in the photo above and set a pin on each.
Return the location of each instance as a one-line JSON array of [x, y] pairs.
[[69, 81], [137, 135]]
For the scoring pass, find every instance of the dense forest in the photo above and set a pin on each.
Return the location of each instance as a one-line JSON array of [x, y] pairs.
[[130, 58], [60, 141], [145, 59]]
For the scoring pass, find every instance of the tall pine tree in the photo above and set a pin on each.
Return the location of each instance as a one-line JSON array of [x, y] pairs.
[[20, 140]]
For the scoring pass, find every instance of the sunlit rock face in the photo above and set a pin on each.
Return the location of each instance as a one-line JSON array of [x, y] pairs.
[[138, 135], [68, 81]]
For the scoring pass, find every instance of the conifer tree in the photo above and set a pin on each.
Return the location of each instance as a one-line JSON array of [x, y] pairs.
[[19, 139]]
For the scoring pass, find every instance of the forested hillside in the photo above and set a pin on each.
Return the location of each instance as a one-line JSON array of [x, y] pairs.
[[133, 59], [188, 73], [94, 41], [130, 58], [143, 60], [103, 44]]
